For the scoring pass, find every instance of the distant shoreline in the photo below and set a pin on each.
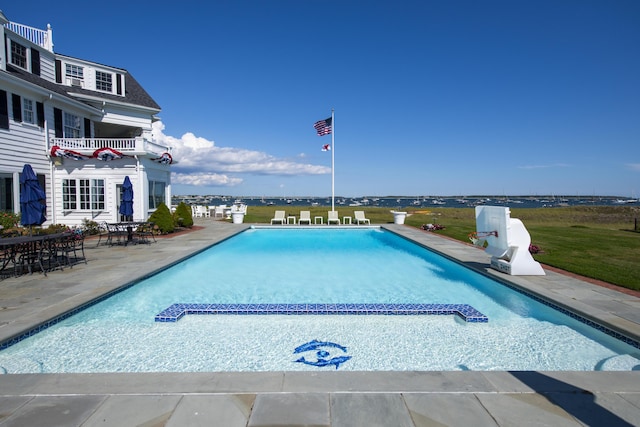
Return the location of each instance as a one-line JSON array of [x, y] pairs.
[[534, 201]]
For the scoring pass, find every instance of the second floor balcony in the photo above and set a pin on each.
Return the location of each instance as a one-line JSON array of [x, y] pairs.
[[137, 146]]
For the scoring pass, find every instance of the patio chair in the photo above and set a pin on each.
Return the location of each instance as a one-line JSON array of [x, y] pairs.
[[145, 232], [279, 217], [103, 230], [219, 211], [117, 232], [200, 211], [360, 218], [8, 261], [69, 246], [305, 216], [333, 217]]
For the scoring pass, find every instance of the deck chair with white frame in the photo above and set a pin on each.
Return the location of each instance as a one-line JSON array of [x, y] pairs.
[[279, 217], [360, 218], [333, 217], [305, 216]]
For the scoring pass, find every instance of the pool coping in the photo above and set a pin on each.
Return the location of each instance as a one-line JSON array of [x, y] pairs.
[[33, 299]]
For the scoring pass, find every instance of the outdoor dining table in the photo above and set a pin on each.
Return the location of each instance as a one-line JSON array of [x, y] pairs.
[[121, 229], [30, 251]]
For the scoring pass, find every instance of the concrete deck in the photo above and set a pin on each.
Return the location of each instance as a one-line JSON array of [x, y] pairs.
[[302, 398]]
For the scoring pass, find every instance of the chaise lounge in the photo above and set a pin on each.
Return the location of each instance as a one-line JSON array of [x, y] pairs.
[[360, 218], [333, 217], [279, 217], [305, 216]]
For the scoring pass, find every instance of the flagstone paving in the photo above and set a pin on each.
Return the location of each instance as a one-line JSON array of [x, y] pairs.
[[301, 398]]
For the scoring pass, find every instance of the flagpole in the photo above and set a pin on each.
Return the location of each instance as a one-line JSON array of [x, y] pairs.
[[333, 153]]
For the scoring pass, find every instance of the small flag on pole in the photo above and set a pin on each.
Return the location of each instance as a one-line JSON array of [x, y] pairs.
[[326, 147], [323, 127]]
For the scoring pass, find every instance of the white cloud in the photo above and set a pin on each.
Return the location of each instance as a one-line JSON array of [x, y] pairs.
[[634, 166], [200, 162], [205, 179]]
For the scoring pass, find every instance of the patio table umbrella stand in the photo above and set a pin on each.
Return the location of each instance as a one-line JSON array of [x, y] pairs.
[[126, 204], [32, 199], [32, 208]]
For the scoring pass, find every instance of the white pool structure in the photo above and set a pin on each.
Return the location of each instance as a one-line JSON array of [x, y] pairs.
[[353, 299]]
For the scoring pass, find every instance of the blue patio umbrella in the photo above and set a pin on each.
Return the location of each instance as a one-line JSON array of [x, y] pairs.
[[126, 204], [32, 198]]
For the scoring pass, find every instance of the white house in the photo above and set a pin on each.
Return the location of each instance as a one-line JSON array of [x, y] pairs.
[[82, 126]]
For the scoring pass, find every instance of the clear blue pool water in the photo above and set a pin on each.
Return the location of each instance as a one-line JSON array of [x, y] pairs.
[[317, 266]]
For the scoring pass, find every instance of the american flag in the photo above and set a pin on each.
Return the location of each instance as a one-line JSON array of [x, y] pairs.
[[323, 127]]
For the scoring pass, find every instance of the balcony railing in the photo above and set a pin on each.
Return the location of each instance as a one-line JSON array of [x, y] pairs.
[[131, 146]]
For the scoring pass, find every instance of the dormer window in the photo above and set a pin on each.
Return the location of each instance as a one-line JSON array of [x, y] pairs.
[[74, 75], [18, 55], [104, 82]]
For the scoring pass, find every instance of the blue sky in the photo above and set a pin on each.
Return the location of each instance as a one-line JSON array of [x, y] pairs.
[[431, 97]]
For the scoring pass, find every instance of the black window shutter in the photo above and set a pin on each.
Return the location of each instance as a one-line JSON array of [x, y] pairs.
[[119, 84], [35, 61], [17, 107], [58, 71], [40, 113], [57, 122], [4, 110], [87, 128]]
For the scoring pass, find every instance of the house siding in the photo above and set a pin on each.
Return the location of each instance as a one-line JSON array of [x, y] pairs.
[[126, 112]]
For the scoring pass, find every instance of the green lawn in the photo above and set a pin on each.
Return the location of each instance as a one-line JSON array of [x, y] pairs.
[[593, 241]]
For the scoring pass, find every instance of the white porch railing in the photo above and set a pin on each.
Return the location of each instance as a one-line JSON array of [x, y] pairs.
[[125, 145], [40, 37]]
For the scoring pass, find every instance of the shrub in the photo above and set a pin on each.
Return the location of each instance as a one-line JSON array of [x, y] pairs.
[[183, 216], [9, 219], [163, 219], [90, 227]]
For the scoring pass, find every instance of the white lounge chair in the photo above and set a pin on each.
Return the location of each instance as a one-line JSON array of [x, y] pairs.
[[279, 217], [359, 217], [305, 216], [333, 217]]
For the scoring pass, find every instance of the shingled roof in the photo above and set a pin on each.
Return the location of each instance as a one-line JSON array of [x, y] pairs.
[[134, 93]]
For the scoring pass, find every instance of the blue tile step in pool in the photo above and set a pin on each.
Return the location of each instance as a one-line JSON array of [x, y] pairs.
[[176, 311]]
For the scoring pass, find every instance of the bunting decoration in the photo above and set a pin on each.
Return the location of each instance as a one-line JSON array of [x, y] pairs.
[[56, 151], [106, 154], [164, 159]]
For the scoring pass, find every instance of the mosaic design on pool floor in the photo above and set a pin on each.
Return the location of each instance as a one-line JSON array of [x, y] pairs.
[[322, 351], [469, 314]]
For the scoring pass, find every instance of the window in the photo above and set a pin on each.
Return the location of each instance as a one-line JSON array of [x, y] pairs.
[[74, 75], [97, 194], [75, 71], [69, 195], [28, 115], [6, 192], [156, 194], [103, 81], [71, 126], [89, 192], [18, 55]]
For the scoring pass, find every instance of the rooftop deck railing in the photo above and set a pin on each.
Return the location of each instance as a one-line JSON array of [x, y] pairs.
[[40, 37]]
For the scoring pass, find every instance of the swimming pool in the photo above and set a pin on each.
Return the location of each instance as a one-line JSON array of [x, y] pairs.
[[317, 267]]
